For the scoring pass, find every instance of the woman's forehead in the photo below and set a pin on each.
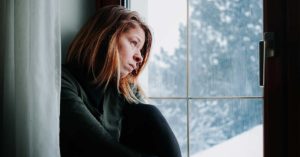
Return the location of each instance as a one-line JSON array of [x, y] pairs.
[[137, 32]]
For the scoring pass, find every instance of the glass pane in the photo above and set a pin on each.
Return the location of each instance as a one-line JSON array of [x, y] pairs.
[[176, 115], [226, 128], [224, 37], [166, 73]]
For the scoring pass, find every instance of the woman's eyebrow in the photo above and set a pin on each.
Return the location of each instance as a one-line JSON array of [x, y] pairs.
[[138, 38]]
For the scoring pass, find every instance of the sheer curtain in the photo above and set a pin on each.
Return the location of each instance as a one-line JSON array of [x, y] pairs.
[[30, 78]]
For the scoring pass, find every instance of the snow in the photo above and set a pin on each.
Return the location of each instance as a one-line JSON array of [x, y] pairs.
[[247, 144]]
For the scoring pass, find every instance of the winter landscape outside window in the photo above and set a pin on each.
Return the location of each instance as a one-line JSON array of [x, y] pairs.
[[203, 73]]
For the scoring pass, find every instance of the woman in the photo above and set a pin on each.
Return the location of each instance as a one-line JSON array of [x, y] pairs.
[[102, 109]]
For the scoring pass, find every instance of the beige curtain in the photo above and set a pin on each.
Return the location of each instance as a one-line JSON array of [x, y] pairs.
[[30, 78]]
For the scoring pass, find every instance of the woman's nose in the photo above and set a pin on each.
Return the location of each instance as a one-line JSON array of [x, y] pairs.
[[138, 58]]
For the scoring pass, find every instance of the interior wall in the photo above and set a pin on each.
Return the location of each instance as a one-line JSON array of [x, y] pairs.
[[73, 14]]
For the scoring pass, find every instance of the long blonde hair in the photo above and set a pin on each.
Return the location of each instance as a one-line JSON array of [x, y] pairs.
[[95, 49]]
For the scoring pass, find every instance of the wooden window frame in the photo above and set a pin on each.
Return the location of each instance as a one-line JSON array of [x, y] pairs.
[[102, 3]]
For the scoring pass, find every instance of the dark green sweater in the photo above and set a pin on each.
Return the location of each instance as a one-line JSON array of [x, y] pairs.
[[118, 129]]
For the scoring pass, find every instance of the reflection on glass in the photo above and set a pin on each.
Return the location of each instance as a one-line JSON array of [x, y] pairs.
[[218, 122], [175, 113], [223, 47]]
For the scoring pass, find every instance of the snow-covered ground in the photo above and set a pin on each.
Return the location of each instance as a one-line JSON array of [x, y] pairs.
[[247, 144]]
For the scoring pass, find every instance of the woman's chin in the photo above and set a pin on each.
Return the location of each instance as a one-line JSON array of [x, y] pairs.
[[123, 74]]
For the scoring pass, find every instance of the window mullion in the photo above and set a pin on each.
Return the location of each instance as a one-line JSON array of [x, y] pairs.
[[188, 78]]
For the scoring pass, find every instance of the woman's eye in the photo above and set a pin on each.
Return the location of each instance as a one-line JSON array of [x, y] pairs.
[[134, 43]]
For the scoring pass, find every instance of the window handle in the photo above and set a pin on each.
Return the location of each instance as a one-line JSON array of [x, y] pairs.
[[266, 50]]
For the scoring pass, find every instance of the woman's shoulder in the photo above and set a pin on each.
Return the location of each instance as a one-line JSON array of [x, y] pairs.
[[69, 84], [68, 80], [66, 75]]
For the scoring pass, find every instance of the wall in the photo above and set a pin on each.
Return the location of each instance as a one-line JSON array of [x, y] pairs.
[[74, 13]]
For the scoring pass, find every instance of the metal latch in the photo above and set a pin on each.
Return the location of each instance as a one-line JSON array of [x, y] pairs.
[[266, 50]]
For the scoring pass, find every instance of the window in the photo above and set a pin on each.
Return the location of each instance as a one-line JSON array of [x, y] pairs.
[[203, 73]]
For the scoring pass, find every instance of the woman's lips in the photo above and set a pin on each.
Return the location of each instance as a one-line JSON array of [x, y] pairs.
[[132, 67]]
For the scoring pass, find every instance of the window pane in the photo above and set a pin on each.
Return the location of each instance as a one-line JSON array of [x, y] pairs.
[[223, 61], [166, 73], [226, 128], [224, 37], [176, 115]]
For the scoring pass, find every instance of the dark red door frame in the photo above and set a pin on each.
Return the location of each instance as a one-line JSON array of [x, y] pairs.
[[282, 76], [274, 110], [292, 30]]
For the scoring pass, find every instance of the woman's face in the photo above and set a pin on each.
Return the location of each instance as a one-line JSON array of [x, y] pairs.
[[130, 44]]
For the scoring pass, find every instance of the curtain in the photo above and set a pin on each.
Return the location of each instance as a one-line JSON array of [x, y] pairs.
[[30, 78]]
